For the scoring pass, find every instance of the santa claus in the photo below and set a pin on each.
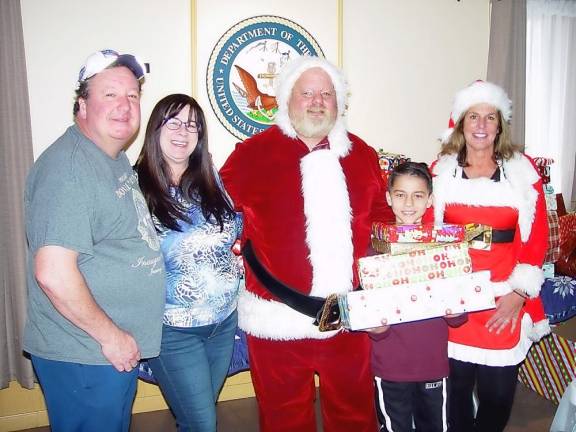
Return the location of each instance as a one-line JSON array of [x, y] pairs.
[[309, 192]]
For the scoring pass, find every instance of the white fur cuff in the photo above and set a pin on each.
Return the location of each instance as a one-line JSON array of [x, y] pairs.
[[269, 319], [527, 278], [539, 330]]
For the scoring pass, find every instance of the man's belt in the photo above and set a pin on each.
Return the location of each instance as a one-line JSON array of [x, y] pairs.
[[325, 311]]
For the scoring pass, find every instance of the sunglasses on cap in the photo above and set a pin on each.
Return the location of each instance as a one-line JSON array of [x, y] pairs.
[[100, 60]]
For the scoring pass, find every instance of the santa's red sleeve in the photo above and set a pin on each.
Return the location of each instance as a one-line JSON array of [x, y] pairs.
[[239, 175], [527, 275]]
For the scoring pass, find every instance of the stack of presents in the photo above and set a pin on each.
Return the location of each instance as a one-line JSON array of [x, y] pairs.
[[417, 272], [424, 271], [434, 266]]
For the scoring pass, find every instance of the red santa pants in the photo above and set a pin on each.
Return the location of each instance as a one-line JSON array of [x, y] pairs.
[[283, 377]]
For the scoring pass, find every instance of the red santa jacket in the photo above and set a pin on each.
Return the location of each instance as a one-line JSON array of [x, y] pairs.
[[308, 215]]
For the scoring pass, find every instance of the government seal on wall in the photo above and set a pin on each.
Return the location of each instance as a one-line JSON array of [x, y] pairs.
[[244, 65]]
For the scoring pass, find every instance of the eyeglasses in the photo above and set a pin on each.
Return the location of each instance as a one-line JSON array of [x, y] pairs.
[[175, 124], [324, 94]]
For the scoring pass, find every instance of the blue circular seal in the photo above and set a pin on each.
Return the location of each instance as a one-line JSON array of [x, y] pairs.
[[244, 65]]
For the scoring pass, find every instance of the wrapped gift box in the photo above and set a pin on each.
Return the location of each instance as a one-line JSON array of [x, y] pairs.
[[558, 294], [543, 166], [392, 305], [551, 202], [441, 262], [549, 367], [383, 247], [566, 262], [544, 172], [389, 161], [553, 251], [482, 242], [542, 161], [421, 233]]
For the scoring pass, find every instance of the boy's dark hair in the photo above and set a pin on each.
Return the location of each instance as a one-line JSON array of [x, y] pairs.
[[416, 169]]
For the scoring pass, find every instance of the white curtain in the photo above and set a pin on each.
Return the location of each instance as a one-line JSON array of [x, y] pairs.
[[551, 90]]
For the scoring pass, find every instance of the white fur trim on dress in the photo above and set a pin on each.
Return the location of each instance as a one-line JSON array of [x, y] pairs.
[[328, 223], [269, 319], [515, 189], [495, 357], [339, 142], [527, 278], [539, 330]]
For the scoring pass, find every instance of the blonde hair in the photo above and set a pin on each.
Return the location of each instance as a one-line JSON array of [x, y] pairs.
[[504, 149]]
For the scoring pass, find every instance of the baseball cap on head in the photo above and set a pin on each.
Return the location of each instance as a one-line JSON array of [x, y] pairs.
[[100, 60]]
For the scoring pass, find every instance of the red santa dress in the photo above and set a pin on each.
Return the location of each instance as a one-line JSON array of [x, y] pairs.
[[515, 202]]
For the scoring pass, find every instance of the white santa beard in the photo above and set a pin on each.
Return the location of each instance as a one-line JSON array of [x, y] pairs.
[[313, 127]]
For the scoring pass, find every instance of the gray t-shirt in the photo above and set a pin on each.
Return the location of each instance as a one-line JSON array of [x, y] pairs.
[[79, 198]]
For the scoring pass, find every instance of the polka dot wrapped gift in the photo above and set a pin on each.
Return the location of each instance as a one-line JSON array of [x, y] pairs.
[[405, 303]]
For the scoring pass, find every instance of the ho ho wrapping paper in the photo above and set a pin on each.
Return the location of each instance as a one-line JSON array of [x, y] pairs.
[[404, 303]]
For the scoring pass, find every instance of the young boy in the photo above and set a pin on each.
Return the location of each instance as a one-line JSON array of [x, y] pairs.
[[410, 360]]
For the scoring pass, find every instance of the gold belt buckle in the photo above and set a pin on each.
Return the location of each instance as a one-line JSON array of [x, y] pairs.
[[330, 317]]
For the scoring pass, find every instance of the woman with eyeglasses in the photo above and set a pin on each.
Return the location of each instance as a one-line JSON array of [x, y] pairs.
[[197, 227]]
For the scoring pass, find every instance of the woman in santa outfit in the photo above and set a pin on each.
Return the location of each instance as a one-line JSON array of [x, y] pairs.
[[481, 177]]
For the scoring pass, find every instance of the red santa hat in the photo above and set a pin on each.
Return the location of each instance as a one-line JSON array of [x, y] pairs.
[[476, 93], [338, 136]]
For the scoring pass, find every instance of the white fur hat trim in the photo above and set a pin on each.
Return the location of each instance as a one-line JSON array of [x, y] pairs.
[[285, 82], [477, 93]]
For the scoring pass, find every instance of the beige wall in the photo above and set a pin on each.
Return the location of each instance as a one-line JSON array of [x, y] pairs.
[[404, 61], [60, 34]]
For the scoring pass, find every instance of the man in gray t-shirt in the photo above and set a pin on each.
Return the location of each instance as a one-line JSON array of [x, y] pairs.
[[95, 271]]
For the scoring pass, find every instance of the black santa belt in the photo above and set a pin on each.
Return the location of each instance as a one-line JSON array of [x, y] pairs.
[[325, 311], [503, 236]]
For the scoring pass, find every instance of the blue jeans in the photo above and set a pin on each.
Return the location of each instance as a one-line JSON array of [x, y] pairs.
[[191, 370], [86, 398]]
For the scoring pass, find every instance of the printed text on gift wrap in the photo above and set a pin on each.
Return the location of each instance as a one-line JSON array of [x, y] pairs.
[[418, 266]]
